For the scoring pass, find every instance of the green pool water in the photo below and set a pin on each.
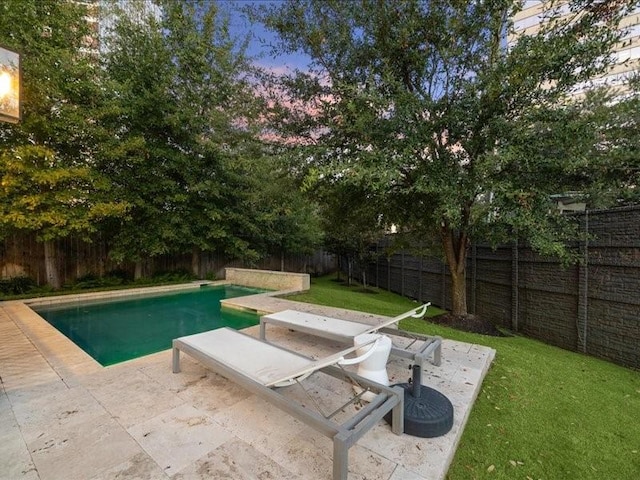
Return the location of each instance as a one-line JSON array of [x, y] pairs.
[[119, 330]]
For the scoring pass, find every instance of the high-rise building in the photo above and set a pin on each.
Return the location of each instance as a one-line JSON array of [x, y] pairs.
[[626, 53], [100, 18]]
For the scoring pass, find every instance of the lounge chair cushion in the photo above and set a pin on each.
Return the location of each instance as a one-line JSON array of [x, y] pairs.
[[263, 362]]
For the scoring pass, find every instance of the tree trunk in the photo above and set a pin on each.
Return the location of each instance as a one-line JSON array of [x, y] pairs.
[[458, 292], [282, 261], [51, 264], [195, 262], [364, 279], [455, 246]]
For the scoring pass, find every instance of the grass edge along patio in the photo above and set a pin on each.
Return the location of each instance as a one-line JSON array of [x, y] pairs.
[[543, 412]]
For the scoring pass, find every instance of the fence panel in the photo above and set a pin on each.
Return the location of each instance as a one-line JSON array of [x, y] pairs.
[[23, 255], [593, 307]]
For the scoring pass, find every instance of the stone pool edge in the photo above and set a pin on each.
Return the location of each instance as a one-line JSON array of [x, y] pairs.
[[52, 343]]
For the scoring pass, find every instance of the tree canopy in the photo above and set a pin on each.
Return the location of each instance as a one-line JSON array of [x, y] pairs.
[[424, 105], [426, 115], [48, 183], [143, 131], [176, 88]]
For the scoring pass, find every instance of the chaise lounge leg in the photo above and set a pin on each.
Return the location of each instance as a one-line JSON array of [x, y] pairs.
[[176, 360], [263, 329], [340, 456], [397, 414], [437, 355]]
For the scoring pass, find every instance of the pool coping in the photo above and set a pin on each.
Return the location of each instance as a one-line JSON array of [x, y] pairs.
[[111, 294], [43, 335]]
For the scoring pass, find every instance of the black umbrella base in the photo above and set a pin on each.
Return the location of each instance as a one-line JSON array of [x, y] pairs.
[[428, 415]]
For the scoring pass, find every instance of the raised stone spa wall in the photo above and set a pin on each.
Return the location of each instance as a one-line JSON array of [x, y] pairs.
[[268, 279]]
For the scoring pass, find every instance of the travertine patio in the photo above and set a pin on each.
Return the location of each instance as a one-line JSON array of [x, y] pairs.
[[63, 416]]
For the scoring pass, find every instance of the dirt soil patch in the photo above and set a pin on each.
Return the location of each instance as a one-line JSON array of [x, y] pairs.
[[468, 323]]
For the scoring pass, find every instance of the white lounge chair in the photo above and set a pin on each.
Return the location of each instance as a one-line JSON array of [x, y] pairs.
[[261, 367], [345, 331]]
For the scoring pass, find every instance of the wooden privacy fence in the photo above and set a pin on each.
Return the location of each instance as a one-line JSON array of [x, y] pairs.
[[593, 307], [22, 255]]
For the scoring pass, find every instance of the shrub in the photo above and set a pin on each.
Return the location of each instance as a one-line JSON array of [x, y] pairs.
[[172, 276], [110, 279], [123, 275], [211, 276], [88, 280], [17, 285]]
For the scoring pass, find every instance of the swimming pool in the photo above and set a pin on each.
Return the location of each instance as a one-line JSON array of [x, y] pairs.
[[119, 330]]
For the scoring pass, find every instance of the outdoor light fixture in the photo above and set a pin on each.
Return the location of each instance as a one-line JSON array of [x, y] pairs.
[[10, 84]]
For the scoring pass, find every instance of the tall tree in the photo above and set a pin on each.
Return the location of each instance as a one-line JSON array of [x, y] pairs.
[[289, 221], [617, 145], [352, 222], [422, 104], [49, 184], [182, 123]]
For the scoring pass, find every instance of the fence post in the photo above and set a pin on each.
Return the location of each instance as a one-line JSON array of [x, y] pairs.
[[515, 300], [402, 273], [420, 279], [474, 263], [389, 273], [377, 263], [583, 290], [443, 301]]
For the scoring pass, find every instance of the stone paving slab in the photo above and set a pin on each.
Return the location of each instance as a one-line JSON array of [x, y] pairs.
[[63, 416]]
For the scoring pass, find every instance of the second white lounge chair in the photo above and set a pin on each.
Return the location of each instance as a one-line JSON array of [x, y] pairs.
[[344, 331]]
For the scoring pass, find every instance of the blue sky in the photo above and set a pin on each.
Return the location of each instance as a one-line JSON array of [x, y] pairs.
[[260, 38]]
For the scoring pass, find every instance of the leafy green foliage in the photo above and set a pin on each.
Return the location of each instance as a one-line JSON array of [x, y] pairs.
[[58, 79], [121, 278], [352, 221], [420, 105], [48, 183], [149, 141], [173, 276], [141, 73], [186, 155], [39, 193], [288, 220], [616, 151], [16, 285]]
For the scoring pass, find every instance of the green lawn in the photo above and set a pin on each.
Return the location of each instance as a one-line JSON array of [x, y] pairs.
[[543, 412]]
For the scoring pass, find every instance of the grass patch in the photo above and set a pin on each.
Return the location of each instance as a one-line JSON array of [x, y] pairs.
[[542, 413], [326, 291]]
